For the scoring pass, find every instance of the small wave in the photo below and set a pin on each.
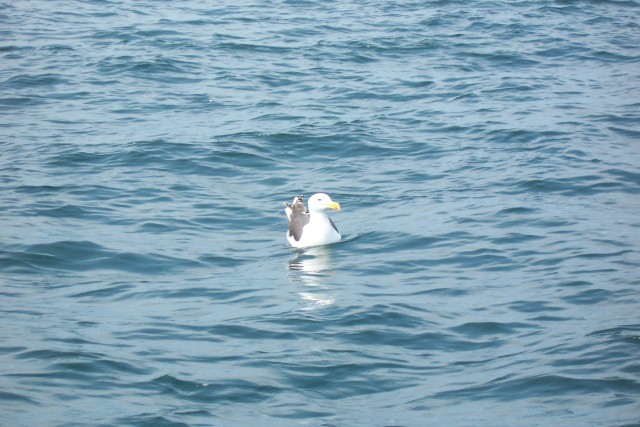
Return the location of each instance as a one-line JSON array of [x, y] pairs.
[[87, 256], [545, 386], [218, 390]]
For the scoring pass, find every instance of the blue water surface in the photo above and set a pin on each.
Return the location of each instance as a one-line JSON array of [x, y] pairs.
[[486, 156]]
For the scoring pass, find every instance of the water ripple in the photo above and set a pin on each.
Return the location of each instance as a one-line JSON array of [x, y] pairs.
[[484, 158]]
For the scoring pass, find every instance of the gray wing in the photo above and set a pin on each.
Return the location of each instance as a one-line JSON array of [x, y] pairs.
[[297, 221], [288, 209], [334, 226]]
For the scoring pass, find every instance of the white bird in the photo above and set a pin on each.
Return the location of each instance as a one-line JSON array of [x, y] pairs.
[[311, 227]]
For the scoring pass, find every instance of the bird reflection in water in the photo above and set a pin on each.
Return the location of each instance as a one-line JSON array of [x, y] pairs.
[[312, 268]]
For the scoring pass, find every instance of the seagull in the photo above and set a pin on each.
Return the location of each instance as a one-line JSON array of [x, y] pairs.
[[312, 226]]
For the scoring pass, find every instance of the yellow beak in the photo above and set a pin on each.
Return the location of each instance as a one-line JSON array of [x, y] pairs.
[[334, 205]]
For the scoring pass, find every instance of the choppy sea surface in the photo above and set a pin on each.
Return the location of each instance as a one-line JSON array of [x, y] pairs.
[[486, 156]]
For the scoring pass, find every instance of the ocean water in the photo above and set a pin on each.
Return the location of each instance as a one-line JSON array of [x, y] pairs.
[[486, 156]]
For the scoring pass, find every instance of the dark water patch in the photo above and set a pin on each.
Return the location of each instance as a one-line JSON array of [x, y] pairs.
[[90, 363], [163, 331], [577, 283], [612, 57], [538, 186], [249, 333], [159, 68], [533, 306], [419, 252], [616, 254], [102, 293], [631, 368], [250, 48], [383, 316], [616, 120], [9, 350], [401, 241], [517, 238], [150, 420], [213, 295], [149, 152], [30, 81], [629, 178], [565, 53], [72, 211], [483, 259], [159, 330], [231, 162], [306, 322], [7, 396], [24, 312], [17, 262], [218, 220], [243, 162], [575, 186], [426, 341], [99, 367], [220, 391], [627, 333], [442, 292], [544, 386], [58, 48], [41, 190], [549, 318], [307, 146], [155, 33], [478, 329], [520, 210], [86, 256], [335, 381], [80, 161], [155, 228], [9, 48], [54, 355], [412, 176], [625, 132], [498, 60], [69, 96], [299, 414], [77, 342], [78, 376], [19, 101]]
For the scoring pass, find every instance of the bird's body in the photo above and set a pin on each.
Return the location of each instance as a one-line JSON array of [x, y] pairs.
[[312, 226]]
